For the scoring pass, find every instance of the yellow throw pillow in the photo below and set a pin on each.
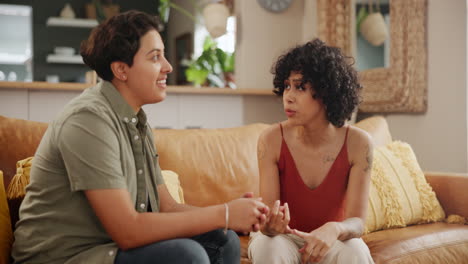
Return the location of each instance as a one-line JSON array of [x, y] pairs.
[[173, 185], [16, 189], [399, 194], [6, 233]]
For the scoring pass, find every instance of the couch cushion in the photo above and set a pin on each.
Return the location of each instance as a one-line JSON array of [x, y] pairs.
[[17, 187], [399, 194], [6, 234], [377, 128], [214, 165], [417, 244], [420, 244], [171, 179], [244, 245], [19, 139]]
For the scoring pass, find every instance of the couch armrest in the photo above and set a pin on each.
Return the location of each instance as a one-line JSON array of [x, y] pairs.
[[451, 190]]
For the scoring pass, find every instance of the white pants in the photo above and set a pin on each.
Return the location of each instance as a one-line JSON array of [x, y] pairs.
[[284, 249]]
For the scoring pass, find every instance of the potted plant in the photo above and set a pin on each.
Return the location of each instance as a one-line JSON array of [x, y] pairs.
[[372, 25], [214, 67]]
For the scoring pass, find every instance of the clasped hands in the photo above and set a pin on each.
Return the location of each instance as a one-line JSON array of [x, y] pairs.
[[317, 243]]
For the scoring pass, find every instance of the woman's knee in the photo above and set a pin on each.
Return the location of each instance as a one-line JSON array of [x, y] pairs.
[[231, 249], [169, 251], [277, 249], [232, 242], [357, 250], [192, 252]]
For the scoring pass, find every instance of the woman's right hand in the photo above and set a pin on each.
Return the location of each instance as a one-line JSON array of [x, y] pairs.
[[277, 221], [246, 214]]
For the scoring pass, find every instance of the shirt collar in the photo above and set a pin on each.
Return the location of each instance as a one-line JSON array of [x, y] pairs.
[[123, 110]]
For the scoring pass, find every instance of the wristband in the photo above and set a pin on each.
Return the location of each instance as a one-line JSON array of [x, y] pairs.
[[227, 218]]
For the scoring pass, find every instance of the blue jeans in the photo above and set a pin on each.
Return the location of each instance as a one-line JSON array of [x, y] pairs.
[[213, 247]]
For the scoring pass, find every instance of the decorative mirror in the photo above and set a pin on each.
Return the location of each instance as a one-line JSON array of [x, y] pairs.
[[402, 86]]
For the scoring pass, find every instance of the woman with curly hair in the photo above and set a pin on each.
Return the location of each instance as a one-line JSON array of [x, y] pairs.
[[314, 169]]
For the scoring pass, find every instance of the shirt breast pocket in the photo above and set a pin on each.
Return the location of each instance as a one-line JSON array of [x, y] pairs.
[[153, 153], [153, 160]]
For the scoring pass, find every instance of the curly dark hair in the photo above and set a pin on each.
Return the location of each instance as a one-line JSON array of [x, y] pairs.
[[117, 39], [330, 73]]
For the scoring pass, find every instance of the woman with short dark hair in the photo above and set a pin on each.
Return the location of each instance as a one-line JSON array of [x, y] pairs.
[[96, 193]]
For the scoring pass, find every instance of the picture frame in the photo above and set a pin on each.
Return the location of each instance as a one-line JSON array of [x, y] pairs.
[[401, 87]]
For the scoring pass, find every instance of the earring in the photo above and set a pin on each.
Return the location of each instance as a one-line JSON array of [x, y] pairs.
[[124, 77]]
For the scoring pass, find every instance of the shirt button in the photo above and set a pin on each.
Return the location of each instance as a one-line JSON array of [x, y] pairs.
[[126, 119], [142, 206], [134, 120], [136, 137], [140, 171], [111, 253]]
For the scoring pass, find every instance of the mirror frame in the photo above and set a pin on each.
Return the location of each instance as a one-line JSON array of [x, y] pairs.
[[401, 87]]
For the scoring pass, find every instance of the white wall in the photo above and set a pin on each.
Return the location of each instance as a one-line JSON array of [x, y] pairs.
[[262, 37], [440, 136]]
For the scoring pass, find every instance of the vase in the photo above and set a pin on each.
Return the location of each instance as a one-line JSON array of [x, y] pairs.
[[374, 29], [67, 12], [215, 16]]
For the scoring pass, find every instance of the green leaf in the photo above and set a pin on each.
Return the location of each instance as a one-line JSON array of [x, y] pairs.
[[362, 14], [221, 57], [208, 44], [163, 10], [215, 80], [197, 76], [210, 65], [229, 64], [183, 11]]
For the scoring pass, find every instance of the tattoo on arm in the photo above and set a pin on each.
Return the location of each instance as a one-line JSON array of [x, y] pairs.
[[368, 159], [261, 149], [328, 158]]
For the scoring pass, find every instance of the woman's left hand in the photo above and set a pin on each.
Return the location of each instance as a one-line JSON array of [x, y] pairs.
[[318, 242]]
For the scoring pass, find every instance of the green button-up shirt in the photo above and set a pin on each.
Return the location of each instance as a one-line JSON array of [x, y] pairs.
[[97, 142]]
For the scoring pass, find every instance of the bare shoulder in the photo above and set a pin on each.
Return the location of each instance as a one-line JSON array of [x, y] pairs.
[[359, 144], [269, 142], [272, 132], [358, 136]]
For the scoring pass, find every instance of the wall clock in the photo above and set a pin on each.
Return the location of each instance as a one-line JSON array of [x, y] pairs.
[[275, 6]]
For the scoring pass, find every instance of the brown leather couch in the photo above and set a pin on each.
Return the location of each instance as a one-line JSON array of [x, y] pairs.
[[217, 165]]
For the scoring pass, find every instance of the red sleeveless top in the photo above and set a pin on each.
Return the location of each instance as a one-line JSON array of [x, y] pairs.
[[311, 208]]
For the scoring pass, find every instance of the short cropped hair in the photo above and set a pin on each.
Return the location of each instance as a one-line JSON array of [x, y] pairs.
[[331, 74], [117, 39]]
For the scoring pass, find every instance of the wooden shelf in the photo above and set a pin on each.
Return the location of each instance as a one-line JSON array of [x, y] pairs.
[[215, 90], [13, 59], [45, 86], [170, 89], [74, 59], [71, 22]]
